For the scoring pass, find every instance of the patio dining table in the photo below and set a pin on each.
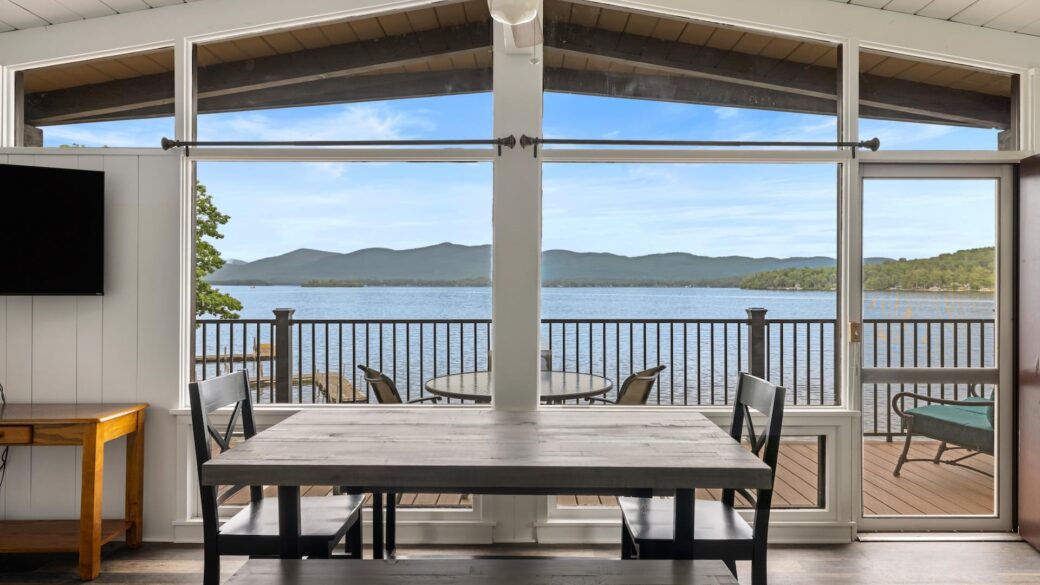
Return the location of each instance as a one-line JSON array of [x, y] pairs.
[[486, 451], [554, 387]]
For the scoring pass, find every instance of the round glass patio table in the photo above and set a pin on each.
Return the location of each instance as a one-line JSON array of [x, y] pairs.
[[555, 386]]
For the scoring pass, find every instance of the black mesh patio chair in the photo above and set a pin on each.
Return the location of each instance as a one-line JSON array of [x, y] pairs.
[[720, 533], [386, 390], [635, 389], [253, 531]]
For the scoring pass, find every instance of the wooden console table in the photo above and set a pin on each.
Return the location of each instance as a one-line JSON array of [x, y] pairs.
[[89, 426]]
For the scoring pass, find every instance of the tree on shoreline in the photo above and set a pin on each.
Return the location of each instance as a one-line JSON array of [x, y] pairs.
[[208, 219]]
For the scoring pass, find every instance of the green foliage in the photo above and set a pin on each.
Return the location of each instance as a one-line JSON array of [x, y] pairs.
[[965, 270], [208, 219], [792, 279], [333, 284]]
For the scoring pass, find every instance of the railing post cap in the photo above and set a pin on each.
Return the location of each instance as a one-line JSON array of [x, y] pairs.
[[754, 310]]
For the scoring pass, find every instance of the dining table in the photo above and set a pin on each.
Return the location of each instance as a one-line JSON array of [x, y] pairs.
[[553, 387], [475, 449]]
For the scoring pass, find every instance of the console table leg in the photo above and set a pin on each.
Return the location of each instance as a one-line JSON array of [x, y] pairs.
[[135, 482], [90, 503]]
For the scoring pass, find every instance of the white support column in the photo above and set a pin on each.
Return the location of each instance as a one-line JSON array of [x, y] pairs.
[[6, 107], [517, 231]]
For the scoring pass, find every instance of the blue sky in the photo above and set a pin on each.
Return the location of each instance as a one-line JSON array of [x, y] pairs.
[[714, 210]]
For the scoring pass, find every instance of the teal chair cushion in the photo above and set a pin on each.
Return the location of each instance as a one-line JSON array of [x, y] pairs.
[[964, 426]]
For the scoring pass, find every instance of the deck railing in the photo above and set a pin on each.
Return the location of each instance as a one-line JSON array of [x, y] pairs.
[[315, 360]]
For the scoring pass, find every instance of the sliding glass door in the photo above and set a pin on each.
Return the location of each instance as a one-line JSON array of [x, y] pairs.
[[934, 287]]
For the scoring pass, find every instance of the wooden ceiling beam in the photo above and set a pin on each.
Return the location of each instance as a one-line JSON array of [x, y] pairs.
[[681, 73], [110, 99]]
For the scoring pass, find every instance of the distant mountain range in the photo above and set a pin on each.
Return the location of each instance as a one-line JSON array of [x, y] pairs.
[[452, 264]]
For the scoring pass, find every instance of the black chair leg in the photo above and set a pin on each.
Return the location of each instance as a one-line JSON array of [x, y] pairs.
[[355, 542], [377, 525], [391, 525], [628, 551], [731, 565], [211, 563], [759, 568]]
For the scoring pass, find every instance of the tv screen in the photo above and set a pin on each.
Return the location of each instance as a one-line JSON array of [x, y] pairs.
[[52, 231]]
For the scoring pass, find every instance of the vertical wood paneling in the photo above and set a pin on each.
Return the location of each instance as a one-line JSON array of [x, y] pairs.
[[158, 206], [89, 344], [119, 372], [19, 386], [54, 492], [89, 326], [89, 349], [119, 354], [18, 483]]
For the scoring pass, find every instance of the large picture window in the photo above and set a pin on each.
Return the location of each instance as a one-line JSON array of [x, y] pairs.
[[424, 73], [615, 73]]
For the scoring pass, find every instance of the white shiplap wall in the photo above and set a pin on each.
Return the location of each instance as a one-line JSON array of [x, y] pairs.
[[122, 347]]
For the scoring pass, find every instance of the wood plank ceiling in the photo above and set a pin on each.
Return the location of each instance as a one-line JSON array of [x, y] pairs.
[[21, 14], [443, 49], [1018, 16]]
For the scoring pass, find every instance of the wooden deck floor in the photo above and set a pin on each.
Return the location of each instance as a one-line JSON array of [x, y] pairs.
[[922, 488]]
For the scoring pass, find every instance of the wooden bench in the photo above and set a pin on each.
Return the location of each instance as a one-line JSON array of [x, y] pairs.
[[528, 571]]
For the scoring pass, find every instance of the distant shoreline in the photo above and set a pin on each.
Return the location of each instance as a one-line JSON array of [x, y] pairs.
[[467, 284]]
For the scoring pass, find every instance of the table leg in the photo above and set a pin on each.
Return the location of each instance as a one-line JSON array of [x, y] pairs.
[[135, 482], [377, 525], [683, 526], [90, 503], [289, 521]]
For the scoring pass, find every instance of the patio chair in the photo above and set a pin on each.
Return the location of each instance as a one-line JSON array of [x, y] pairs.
[[966, 424], [386, 393], [635, 389], [253, 531], [720, 533], [386, 390]]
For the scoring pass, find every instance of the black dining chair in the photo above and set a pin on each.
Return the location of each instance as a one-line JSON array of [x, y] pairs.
[[720, 533], [386, 392], [635, 389], [253, 531]]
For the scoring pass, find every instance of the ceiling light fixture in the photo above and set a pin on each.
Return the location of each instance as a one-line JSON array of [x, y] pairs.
[[513, 12]]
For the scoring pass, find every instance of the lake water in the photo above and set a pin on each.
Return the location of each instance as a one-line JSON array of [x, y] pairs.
[[598, 303], [703, 359]]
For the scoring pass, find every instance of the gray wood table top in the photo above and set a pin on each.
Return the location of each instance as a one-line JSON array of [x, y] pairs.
[[426, 448], [553, 387]]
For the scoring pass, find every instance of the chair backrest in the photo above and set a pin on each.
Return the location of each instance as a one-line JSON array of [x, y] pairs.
[[544, 356], [207, 396], [759, 396], [636, 388], [384, 387]]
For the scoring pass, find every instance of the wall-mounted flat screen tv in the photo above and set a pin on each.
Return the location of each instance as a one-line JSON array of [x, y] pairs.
[[52, 231]]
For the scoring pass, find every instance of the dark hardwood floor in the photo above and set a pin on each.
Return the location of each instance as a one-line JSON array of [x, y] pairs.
[[867, 563]]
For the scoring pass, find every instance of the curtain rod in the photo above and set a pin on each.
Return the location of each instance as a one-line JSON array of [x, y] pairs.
[[525, 141], [508, 142]]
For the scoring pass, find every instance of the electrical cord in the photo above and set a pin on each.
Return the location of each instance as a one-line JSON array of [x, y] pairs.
[[3, 454]]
